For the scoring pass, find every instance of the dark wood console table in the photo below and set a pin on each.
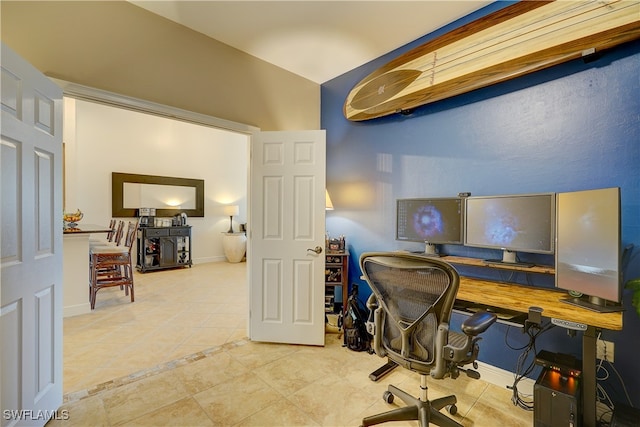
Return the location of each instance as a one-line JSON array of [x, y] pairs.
[[163, 247]]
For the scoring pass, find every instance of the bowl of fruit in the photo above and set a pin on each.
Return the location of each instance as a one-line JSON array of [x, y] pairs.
[[71, 219]]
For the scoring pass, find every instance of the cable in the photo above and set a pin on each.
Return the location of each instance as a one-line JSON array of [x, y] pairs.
[[600, 367], [602, 374], [521, 372], [510, 277], [624, 388], [506, 335], [601, 419]]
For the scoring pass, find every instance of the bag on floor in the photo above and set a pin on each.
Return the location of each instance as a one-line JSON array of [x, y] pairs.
[[356, 337]]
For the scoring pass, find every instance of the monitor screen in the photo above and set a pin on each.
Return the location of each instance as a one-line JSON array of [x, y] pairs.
[[434, 221], [588, 243], [523, 222]]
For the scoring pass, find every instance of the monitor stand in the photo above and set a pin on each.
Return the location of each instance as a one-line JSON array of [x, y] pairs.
[[429, 250], [508, 258], [594, 304]]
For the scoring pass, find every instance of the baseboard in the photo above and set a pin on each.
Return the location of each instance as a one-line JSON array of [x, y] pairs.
[[74, 310], [503, 378], [209, 259]]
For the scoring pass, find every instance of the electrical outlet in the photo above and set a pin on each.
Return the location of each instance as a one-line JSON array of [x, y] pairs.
[[605, 350]]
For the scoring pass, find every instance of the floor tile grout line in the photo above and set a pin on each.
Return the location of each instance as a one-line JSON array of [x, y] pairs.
[[102, 326], [76, 396]]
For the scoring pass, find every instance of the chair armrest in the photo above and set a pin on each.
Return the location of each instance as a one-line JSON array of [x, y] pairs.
[[478, 323], [378, 348]]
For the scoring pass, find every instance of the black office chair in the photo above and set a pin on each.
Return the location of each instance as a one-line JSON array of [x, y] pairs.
[[415, 296]]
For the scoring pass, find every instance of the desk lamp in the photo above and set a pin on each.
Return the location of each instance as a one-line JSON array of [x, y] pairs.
[[231, 210]]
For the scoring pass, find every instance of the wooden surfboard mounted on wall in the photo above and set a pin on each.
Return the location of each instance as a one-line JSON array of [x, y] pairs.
[[516, 40]]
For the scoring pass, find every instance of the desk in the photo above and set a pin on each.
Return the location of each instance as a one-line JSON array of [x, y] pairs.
[[75, 266], [520, 298]]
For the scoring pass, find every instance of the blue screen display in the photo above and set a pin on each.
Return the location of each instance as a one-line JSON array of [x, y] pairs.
[[437, 221], [516, 223]]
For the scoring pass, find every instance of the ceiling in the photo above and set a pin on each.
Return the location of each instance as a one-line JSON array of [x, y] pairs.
[[318, 40]]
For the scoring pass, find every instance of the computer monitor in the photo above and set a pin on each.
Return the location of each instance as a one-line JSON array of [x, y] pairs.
[[513, 223], [588, 248], [430, 220]]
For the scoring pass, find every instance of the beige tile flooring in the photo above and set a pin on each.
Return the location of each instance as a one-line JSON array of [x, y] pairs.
[[179, 356]]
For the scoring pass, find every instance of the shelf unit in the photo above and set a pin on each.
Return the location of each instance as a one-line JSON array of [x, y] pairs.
[[163, 247], [336, 273]]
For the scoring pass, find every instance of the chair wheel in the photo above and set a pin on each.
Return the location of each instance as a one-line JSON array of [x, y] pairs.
[[387, 396], [452, 409]]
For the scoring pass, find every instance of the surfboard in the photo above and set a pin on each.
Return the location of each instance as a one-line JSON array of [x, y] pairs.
[[521, 38]]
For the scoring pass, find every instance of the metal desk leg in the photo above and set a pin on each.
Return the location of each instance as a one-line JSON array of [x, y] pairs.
[[589, 376]]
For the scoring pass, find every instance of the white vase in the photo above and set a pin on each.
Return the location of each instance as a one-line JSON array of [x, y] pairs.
[[234, 245]]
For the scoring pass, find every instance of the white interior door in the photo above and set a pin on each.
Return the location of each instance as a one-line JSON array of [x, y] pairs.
[[31, 244], [287, 221]]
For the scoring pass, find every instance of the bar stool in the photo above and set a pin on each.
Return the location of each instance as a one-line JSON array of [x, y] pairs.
[[112, 266], [113, 238]]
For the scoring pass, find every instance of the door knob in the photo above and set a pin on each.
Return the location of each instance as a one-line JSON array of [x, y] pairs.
[[317, 249]]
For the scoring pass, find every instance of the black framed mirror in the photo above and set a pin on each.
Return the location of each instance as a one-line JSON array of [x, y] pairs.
[[168, 195]]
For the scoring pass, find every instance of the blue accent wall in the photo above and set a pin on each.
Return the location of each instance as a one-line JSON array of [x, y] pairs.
[[574, 126]]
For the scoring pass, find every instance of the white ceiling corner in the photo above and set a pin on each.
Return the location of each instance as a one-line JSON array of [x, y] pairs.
[[318, 40]]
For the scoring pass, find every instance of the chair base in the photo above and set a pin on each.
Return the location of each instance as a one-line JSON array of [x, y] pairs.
[[424, 412]]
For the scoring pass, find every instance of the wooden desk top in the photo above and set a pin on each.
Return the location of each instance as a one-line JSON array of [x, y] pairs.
[[520, 298]]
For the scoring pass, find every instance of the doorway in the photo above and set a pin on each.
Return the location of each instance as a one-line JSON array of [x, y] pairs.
[[100, 139]]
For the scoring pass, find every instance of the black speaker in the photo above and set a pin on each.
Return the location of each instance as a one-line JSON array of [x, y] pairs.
[[557, 400]]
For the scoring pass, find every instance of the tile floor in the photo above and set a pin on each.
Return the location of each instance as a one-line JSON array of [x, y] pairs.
[[179, 356]]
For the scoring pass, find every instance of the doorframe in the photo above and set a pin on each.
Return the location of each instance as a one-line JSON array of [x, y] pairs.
[[87, 93], [90, 94]]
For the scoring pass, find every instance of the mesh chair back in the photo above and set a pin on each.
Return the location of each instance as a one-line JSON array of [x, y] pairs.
[[416, 294]]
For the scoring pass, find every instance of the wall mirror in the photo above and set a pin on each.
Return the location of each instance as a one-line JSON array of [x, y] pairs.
[[168, 195]]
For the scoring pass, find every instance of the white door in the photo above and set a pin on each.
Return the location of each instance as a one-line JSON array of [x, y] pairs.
[[286, 225], [31, 244]]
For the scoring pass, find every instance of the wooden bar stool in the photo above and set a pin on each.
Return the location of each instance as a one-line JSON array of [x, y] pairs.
[[113, 238], [112, 266]]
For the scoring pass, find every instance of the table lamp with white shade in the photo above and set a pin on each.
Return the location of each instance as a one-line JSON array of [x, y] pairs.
[[231, 210], [328, 204]]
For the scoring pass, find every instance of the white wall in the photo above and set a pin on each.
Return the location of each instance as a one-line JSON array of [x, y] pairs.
[[100, 140]]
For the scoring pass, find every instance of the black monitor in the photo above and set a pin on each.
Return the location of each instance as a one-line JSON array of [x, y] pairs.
[[513, 223], [588, 248], [431, 221]]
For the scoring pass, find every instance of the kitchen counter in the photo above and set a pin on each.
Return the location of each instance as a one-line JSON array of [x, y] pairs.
[[76, 267]]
